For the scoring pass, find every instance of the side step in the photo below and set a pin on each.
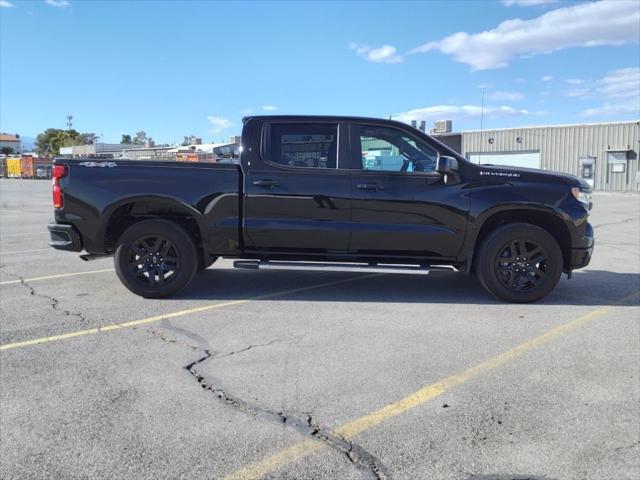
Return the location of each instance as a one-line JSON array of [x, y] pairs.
[[342, 267]]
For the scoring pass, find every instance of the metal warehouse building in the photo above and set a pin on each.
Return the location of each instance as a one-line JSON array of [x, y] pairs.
[[604, 154]]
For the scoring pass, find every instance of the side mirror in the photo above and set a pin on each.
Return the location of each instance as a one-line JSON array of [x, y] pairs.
[[446, 165], [448, 168]]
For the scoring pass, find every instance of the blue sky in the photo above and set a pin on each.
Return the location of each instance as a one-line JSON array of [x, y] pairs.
[[197, 67]]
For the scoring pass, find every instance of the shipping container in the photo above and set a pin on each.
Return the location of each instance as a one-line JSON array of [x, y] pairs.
[[187, 157], [42, 168], [26, 167], [14, 169]]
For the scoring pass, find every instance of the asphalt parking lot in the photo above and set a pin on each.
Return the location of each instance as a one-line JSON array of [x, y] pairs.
[[298, 375]]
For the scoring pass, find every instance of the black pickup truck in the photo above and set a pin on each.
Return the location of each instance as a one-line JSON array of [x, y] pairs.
[[326, 193]]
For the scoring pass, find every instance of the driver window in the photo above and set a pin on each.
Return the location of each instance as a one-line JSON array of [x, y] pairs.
[[390, 150]]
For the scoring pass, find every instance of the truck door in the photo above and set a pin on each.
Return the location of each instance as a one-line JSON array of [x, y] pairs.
[[297, 195], [400, 204]]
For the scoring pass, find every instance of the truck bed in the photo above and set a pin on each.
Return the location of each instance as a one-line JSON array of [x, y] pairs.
[[104, 193]]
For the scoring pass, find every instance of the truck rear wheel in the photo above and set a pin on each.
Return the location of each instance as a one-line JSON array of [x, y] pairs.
[[519, 263], [155, 258]]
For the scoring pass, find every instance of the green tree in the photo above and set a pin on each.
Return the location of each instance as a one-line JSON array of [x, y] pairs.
[[6, 150], [89, 138], [50, 141], [141, 138], [44, 140]]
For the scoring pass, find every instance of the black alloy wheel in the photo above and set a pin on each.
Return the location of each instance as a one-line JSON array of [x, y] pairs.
[[522, 265], [155, 258], [519, 262]]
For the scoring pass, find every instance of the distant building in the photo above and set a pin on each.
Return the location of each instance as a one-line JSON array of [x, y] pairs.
[[229, 150], [192, 140], [604, 154], [117, 150], [11, 141], [207, 152]]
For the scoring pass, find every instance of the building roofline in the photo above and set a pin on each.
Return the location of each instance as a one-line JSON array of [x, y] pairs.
[[551, 126]]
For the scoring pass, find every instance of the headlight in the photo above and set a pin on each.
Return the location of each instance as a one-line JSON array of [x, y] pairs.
[[582, 196]]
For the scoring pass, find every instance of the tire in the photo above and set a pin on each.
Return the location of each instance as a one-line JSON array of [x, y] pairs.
[[155, 258], [519, 263]]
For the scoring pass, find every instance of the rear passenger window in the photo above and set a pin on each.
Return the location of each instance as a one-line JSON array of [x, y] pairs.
[[309, 145]]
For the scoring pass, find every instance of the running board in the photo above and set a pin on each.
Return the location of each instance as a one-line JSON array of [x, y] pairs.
[[342, 267]]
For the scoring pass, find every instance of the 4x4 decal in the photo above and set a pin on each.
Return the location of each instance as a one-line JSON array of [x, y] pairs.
[[98, 164]]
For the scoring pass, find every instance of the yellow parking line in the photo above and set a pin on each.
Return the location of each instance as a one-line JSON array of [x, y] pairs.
[[180, 313], [368, 421], [51, 277]]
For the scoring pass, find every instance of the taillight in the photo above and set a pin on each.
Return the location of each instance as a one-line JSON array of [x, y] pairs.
[[57, 172]]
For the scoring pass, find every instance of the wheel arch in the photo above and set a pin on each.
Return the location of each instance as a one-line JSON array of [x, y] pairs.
[[122, 214], [547, 220]]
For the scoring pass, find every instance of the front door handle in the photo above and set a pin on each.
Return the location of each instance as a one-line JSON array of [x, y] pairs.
[[370, 187], [265, 183]]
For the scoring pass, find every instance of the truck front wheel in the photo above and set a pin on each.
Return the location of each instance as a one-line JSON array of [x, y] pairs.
[[519, 262], [155, 258]]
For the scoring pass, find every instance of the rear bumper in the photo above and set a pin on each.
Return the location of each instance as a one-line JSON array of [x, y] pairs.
[[581, 253], [64, 237]]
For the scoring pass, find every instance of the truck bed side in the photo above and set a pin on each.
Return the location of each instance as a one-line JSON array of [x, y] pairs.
[[103, 197]]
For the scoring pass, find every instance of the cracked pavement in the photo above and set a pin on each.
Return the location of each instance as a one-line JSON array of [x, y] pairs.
[[209, 393]]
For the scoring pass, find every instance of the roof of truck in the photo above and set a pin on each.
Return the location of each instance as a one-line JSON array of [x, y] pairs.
[[318, 117]]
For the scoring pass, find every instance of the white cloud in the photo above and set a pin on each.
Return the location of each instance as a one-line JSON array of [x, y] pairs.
[[547, 78], [621, 91], [545, 94], [622, 83], [484, 86], [58, 3], [616, 84], [521, 80], [438, 112], [219, 123], [583, 25], [575, 81], [509, 96], [578, 92], [6, 4], [269, 108], [613, 109], [383, 54], [245, 111], [526, 3]]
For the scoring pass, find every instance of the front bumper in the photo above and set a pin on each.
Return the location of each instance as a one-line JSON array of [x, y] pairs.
[[580, 257], [64, 237], [581, 253]]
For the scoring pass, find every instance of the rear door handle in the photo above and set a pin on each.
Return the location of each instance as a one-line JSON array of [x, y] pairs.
[[370, 187], [265, 183]]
